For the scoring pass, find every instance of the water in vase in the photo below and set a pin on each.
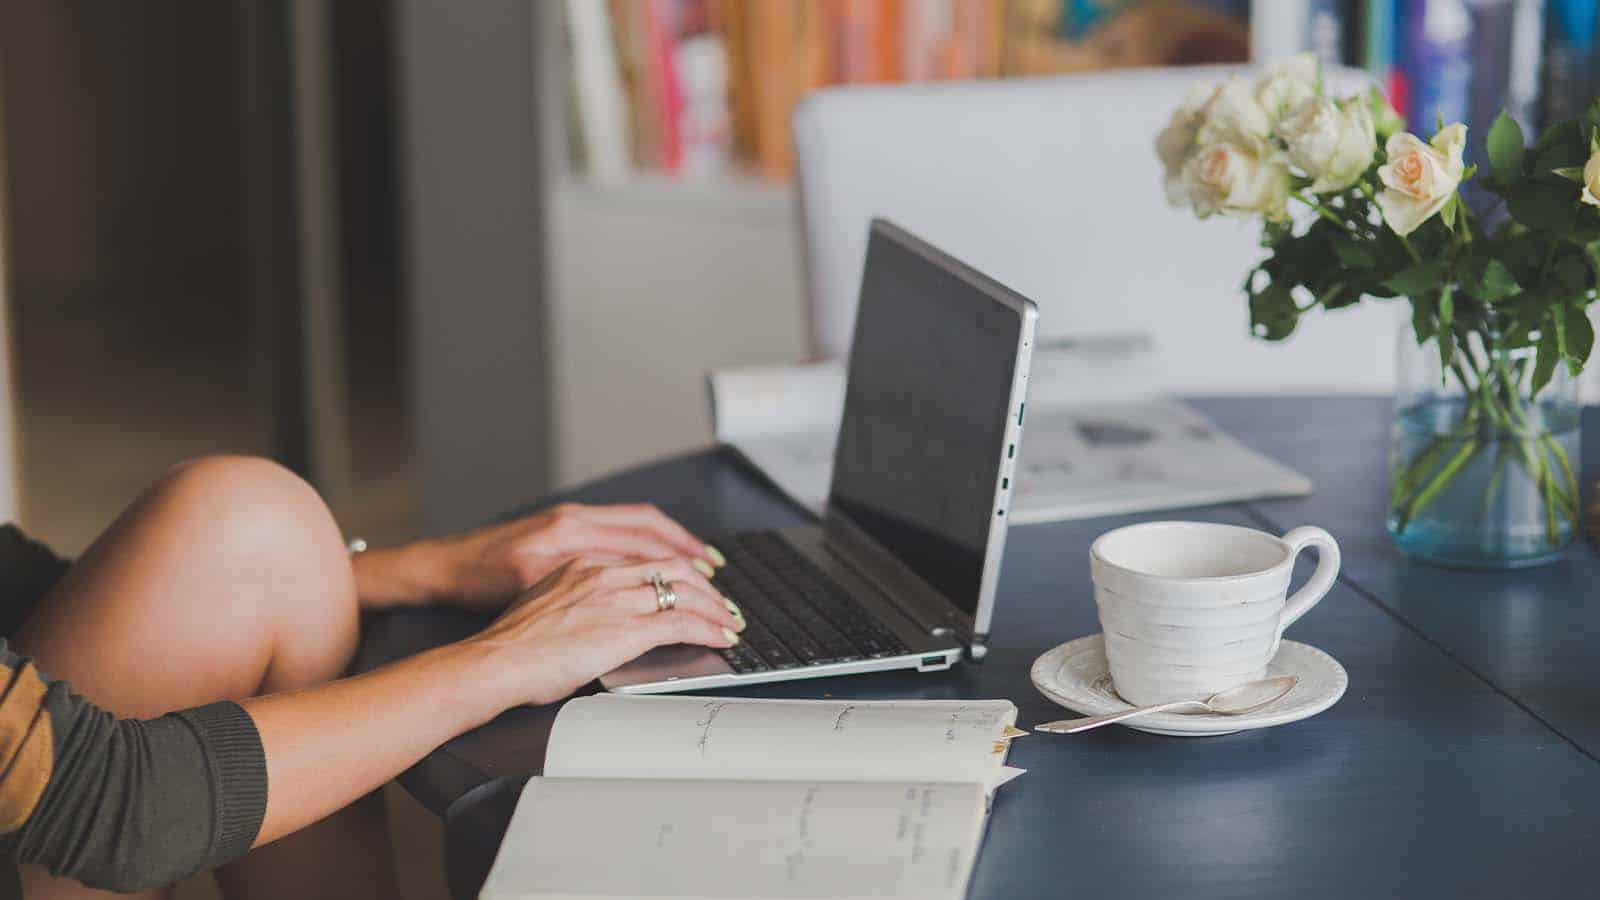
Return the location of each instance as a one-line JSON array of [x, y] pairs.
[[1483, 498]]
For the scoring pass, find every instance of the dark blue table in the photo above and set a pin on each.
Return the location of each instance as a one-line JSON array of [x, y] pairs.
[[1463, 762]]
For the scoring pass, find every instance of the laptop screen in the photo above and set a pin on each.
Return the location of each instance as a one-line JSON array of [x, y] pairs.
[[926, 401]]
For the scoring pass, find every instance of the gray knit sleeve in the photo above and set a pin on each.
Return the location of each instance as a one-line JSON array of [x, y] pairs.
[[132, 804]]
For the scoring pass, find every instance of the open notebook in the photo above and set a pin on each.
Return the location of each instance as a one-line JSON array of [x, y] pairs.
[[1099, 439], [732, 798]]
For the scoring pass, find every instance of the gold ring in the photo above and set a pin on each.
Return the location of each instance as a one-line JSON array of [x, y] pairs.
[[666, 597]]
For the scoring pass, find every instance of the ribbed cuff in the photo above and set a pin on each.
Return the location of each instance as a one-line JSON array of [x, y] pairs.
[[238, 774]]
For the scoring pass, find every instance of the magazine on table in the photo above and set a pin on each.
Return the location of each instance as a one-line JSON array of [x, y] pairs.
[[1085, 451]]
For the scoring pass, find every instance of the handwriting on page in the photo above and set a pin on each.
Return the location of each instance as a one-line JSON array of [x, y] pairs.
[[600, 837], [918, 808], [712, 710], [838, 721], [975, 719]]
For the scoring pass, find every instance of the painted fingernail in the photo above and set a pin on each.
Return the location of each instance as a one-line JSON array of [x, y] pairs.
[[704, 568], [716, 556], [732, 607], [730, 636]]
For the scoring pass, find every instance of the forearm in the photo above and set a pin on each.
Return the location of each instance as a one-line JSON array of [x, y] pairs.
[[329, 745], [409, 575]]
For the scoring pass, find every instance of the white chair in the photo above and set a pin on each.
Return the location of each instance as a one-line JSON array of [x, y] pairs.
[[1052, 186]]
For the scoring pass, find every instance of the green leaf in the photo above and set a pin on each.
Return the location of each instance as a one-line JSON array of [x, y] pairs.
[[1273, 313], [1447, 315], [1517, 335], [1340, 296], [1570, 173], [1424, 277], [1506, 147], [1544, 205], [1591, 250], [1570, 276], [1561, 145], [1447, 213], [1545, 365], [1496, 284], [1352, 253], [1522, 251], [1274, 232], [1579, 338], [1422, 316]]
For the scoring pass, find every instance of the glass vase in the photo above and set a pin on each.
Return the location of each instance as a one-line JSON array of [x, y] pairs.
[[1483, 475]]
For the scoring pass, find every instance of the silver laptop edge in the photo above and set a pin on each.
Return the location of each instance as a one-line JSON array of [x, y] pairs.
[[900, 582], [934, 627]]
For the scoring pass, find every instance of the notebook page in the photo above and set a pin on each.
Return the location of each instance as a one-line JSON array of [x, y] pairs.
[[611, 839], [616, 736]]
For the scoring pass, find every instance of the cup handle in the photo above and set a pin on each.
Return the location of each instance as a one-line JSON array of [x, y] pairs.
[[1321, 580]]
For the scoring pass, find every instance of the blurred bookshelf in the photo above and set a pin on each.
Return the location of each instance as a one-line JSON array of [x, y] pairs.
[[695, 91], [698, 91]]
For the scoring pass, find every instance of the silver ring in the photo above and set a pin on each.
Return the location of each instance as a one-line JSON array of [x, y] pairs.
[[666, 597]]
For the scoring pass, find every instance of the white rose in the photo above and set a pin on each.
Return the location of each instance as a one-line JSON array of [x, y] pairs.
[[1229, 178], [1591, 179], [1287, 84], [1176, 142], [1332, 143], [1420, 178], [1233, 116]]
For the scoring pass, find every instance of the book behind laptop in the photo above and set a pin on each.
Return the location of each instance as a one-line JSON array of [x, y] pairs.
[[734, 798]]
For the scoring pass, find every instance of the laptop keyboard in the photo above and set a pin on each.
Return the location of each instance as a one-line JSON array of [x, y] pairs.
[[796, 616]]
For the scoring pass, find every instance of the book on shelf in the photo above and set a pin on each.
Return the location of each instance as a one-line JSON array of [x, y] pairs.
[[1570, 65], [711, 797], [1284, 28], [599, 102], [710, 85], [694, 88]]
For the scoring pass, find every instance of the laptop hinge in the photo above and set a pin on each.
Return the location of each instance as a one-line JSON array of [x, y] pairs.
[[897, 583]]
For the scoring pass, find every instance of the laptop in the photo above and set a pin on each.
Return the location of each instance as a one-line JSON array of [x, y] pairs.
[[902, 570]]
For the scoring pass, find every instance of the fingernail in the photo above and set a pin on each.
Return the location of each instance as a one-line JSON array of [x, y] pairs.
[[704, 568], [730, 636], [732, 607], [716, 556]]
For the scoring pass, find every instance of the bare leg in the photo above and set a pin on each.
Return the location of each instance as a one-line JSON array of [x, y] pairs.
[[227, 579]]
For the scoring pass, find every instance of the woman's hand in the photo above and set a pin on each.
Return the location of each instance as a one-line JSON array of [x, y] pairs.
[[327, 745], [590, 616], [484, 568]]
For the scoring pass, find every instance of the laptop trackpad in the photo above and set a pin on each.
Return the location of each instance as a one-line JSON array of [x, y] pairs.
[[681, 660]]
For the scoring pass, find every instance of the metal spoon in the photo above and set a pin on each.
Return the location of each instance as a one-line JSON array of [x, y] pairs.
[[1247, 697]]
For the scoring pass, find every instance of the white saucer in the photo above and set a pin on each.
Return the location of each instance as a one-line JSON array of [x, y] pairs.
[[1076, 676]]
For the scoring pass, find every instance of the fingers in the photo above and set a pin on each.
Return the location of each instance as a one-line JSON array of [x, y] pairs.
[[695, 594], [645, 518], [605, 539], [680, 627]]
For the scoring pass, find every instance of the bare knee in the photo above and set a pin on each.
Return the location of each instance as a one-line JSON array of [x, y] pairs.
[[272, 531]]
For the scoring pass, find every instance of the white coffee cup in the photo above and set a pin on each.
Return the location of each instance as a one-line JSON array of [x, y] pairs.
[[1192, 608]]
